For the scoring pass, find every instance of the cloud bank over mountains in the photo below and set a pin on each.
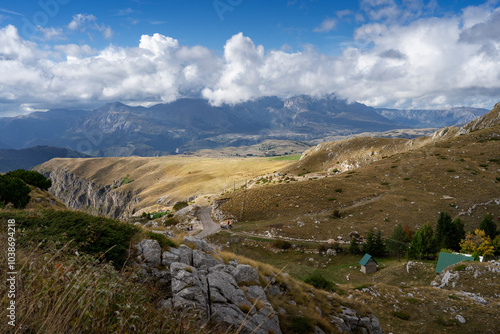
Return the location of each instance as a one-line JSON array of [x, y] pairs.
[[407, 62]]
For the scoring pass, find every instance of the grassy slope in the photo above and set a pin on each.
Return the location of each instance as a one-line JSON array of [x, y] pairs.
[[452, 175], [392, 288], [178, 178]]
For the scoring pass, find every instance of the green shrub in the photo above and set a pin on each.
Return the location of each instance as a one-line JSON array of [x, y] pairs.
[[32, 178], [338, 190], [126, 180], [336, 214], [180, 205], [301, 325], [15, 191], [319, 282], [282, 244], [401, 315], [460, 267], [93, 235], [165, 243]]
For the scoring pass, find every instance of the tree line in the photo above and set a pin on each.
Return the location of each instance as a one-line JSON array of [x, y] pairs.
[[449, 236], [14, 187]]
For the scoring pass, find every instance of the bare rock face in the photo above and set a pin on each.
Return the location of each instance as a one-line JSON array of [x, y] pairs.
[[197, 279], [246, 274], [187, 287], [150, 251], [88, 196]]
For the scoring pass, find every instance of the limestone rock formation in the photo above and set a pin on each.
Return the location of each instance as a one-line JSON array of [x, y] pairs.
[[196, 278]]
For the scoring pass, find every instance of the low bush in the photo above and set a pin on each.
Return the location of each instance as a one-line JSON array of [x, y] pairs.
[[31, 177], [180, 205], [401, 315], [319, 282], [301, 325], [14, 190], [93, 235], [165, 243], [282, 244]]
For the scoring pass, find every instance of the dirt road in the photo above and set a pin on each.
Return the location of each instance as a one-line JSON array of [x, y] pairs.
[[209, 227]]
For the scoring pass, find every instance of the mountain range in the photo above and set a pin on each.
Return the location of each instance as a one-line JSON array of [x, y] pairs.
[[188, 124], [26, 158]]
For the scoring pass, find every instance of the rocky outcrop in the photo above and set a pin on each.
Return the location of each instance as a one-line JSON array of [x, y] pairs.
[[81, 194], [200, 280], [231, 294], [348, 321]]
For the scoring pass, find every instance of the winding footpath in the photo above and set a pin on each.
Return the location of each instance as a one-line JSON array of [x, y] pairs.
[[209, 227]]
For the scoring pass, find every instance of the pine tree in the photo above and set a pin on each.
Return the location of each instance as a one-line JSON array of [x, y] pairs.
[[379, 245], [488, 226], [374, 244], [423, 242], [456, 235], [354, 246], [398, 241], [444, 229]]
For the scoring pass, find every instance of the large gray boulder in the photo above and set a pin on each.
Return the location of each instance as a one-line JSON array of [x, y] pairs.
[[231, 306], [243, 273], [170, 256], [149, 251], [348, 321], [202, 260], [199, 244], [188, 290]]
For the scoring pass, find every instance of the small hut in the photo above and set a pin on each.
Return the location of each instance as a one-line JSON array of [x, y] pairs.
[[368, 264]]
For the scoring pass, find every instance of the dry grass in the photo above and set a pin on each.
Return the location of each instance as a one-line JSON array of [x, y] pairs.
[[60, 292], [174, 178], [452, 175]]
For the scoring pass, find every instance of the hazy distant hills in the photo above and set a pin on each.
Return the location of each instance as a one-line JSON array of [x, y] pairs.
[[433, 118], [191, 124], [29, 157]]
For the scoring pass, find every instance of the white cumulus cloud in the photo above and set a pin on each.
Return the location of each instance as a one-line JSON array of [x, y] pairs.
[[428, 62]]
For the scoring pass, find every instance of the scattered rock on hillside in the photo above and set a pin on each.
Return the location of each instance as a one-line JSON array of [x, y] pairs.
[[478, 280], [198, 279]]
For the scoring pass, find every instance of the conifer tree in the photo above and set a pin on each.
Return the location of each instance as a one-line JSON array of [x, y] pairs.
[[398, 241], [444, 229], [488, 226]]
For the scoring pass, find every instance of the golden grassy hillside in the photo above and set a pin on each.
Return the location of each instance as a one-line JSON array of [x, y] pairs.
[[170, 178], [389, 182]]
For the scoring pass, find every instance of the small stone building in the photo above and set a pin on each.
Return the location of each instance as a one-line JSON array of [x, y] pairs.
[[368, 264]]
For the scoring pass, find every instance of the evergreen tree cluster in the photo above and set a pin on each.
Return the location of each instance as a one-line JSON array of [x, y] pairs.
[[374, 244], [14, 186]]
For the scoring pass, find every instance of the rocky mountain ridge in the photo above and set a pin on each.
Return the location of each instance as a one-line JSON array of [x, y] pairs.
[[184, 125], [348, 154], [27, 158], [433, 118]]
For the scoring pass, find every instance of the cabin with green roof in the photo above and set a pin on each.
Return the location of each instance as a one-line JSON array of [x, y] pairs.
[[449, 259], [368, 264]]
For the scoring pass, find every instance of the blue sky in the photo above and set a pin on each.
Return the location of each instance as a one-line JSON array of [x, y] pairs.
[[384, 53]]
